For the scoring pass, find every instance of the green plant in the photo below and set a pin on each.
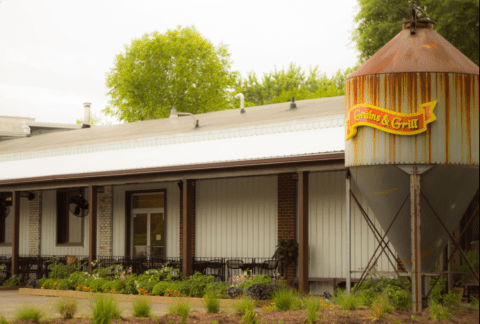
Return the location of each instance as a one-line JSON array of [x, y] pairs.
[[414, 318], [251, 280], [474, 302], [243, 305], [381, 306], [439, 312], [313, 305], [351, 302], [67, 307], [213, 322], [181, 308], [212, 303], [13, 281], [284, 299], [104, 309], [460, 279], [26, 313], [3, 320], [450, 300], [141, 308], [287, 254], [250, 317]]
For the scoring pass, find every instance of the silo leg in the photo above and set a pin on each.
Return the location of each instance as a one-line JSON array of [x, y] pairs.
[[349, 235], [416, 242]]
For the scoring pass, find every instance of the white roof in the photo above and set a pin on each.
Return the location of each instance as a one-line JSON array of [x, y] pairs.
[[297, 138]]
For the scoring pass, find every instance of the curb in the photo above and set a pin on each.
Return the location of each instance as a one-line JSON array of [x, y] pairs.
[[224, 303]]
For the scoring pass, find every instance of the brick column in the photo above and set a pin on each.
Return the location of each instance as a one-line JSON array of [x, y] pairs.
[[287, 210], [187, 254], [35, 224], [105, 222]]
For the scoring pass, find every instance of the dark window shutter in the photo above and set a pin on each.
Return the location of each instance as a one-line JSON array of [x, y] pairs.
[[61, 217]]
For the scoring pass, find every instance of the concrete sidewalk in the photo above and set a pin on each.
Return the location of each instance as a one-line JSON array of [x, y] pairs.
[[11, 301]]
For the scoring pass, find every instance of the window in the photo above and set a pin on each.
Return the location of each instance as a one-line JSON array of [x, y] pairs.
[[70, 228], [6, 220]]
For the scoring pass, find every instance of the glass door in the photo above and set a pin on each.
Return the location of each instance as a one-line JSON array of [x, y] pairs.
[[148, 225]]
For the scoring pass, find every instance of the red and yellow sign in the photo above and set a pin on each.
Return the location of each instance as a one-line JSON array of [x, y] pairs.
[[390, 121]]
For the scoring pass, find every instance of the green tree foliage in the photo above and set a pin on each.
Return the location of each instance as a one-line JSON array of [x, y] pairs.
[[178, 69], [282, 85], [380, 20]]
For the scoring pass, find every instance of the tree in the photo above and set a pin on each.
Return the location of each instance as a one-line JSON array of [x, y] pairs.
[[178, 69], [281, 85], [95, 120], [380, 20]]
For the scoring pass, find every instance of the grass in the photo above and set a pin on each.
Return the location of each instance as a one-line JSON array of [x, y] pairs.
[[26, 313], [250, 317], [244, 305], [284, 299], [141, 308], [181, 308], [212, 303], [67, 307], [313, 305], [104, 309], [381, 306], [351, 302], [439, 312], [3, 320]]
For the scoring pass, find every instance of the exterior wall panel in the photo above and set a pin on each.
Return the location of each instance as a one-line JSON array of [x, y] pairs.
[[172, 216], [236, 217], [327, 229]]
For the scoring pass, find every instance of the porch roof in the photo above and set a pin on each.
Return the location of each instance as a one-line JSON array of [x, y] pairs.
[[206, 149]]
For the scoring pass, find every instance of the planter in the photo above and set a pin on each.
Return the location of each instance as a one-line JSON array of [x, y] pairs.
[[224, 303], [459, 293], [289, 283]]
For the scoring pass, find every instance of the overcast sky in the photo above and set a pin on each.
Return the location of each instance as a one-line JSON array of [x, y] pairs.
[[54, 54]]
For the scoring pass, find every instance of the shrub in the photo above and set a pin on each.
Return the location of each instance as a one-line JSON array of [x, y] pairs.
[[3, 320], [351, 302], [160, 288], [250, 317], [244, 305], [212, 303], [13, 281], [255, 280], [180, 308], [313, 306], [29, 313], [284, 299], [474, 302], [141, 308], [219, 287], [104, 309], [439, 312], [381, 306], [67, 307]]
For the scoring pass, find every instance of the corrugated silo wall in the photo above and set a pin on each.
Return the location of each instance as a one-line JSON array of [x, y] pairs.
[[327, 232]]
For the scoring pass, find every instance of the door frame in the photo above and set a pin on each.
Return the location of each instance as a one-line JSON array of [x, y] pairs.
[[149, 212], [128, 216]]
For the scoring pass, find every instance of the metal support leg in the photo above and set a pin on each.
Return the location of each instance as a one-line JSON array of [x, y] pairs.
[[416, 242], [349, 235]]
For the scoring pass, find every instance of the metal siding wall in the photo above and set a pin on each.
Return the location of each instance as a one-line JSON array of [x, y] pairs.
[[24, 226], [327, 229], [236, 217], [49, 228], [173, 216]]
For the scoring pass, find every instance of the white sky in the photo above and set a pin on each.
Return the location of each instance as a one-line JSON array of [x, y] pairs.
[[54, 54]]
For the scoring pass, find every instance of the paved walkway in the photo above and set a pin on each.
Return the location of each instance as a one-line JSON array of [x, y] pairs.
[[11, 301]]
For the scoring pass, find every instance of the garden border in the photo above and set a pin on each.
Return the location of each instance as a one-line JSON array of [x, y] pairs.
[[6, 288], [194, 301]]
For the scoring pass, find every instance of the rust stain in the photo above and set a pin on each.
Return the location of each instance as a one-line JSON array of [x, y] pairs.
[[447, 115], [386, 191], [431, 46], [459, 94], [468, 90], [429, 133]]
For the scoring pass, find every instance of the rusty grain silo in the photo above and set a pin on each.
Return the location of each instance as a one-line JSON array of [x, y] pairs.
[[415, 103]]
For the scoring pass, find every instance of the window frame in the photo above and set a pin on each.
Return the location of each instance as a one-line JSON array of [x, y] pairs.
[[2, 236], [66, 192]]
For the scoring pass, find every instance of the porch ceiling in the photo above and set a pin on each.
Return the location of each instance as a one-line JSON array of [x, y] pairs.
[[294, 139]]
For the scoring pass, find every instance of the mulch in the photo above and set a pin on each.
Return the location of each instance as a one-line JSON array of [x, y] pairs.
[[290, 317]]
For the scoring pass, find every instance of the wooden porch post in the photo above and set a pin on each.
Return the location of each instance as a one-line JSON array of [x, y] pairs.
[[187, 251], [15, 231], [92, 225], [303, 232]]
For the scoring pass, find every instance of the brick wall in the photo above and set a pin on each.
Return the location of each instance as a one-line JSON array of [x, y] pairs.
[[287, 209], [192, 200], [105, 222], [35, 224]]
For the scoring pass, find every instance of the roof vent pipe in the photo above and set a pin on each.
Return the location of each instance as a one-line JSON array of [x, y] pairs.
[[26, 129], [87, 116], [293, 105], [242, 102]]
